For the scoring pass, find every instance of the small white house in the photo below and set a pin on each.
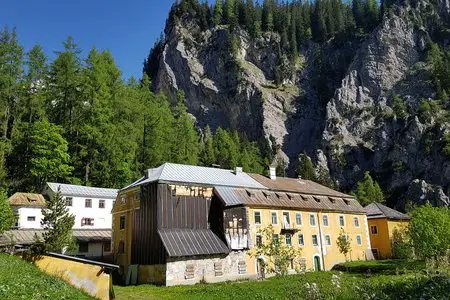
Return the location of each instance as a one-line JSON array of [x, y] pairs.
[[27, 208], [91, 206]]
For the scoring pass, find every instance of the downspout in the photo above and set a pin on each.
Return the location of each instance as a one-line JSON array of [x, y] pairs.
[[320, 241]]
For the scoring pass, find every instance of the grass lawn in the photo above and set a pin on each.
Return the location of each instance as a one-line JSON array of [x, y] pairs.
[[393, 280], [22, 280]]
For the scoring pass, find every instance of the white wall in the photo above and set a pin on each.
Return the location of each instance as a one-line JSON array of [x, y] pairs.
[[94, 250], [102, 216], [25, 212]]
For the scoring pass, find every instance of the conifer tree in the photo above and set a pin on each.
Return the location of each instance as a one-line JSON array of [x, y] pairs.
[[7, 217], [368, 191], [57, 223], [305, 168], [207, 156], [218, 13], [267, 16]]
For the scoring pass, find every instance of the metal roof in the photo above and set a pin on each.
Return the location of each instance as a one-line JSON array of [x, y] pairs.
[[263, 198], [83, 191], [27, 199], [26, 236], [177, 173], [378, 210], [297, 185], [189, 242]]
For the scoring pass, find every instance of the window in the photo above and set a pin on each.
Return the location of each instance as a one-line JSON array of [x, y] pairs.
[[358, 240], [374, 229], [101, 203], [68, 201], [341, 221], [88, 203], [31, 219], [122, 222], [286, 220], [258, 240], [288, 240], [312, 220], [83, 247], [327, 240], [257, 215], [325, 220], [375, 253], [275, 239], [106, 247], [301, 241], [121, 247], [87, 222], [356, 221], [124, 199], [314, 240], [137, 195], [274, 218], [298, 218]]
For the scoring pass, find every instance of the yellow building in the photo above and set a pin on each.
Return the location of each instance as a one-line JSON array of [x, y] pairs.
[[185, 224], [383, 221]]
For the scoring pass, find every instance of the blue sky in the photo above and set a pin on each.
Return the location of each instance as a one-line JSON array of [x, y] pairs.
[[127, 28]]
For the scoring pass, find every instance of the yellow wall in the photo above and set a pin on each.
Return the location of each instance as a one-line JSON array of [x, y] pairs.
[[383, 239], [89, 278], [331, 254], [119, 209]]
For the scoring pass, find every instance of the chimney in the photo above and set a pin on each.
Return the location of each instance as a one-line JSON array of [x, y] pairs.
[[237, 170], [272, 173]]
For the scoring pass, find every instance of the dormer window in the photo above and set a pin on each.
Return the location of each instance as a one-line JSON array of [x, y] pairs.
[[347, 201], [250, 193]]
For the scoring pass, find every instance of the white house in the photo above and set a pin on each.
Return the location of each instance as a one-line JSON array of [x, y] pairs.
[[27, 208], [91, 206]]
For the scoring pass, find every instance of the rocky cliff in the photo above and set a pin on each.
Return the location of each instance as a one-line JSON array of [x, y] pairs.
[[335, 102]]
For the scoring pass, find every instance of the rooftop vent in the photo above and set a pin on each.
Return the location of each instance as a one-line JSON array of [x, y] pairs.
[[272, 173], [237, 170]]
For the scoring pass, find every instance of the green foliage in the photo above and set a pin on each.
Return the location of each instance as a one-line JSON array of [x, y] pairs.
[[22, 280], [446, 148], [368, 191], [305, 168], [428, 231], [401, 247], [439, 60], [57, 223], [279, 255], [344, 243], [399, 107], [7, 217]]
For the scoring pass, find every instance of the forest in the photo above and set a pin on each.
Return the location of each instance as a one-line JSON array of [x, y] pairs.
[[75, 120]]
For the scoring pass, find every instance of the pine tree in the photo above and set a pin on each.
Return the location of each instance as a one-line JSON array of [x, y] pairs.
[[318, 21], [7, 218], [305, 169], [57, 223], [293, 39], [358, 13], [371, 14], [207, 156], [249, 17], [218, 13], [267, 16], [368, 191]]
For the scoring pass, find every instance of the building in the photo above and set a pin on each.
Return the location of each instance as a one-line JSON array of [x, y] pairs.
[[91, 206], [27, 208], [183, 224], [383, 222]]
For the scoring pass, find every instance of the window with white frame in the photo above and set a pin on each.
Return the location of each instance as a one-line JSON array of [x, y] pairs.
[[288, 239], [374, 229], [286, 219], [88, 203], [276, 239], [358, 240], [341, 221], [87, 222], [257, 216], [123, 199], [298, 218], [328, 240], [315, 241], [356, 221], [301, 240], [274, 215], [101, 203], [68, 201], [312, 220], [325, 220]]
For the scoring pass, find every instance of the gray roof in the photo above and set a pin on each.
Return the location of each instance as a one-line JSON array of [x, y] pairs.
[[26, 236], [378, 210], [189, 242], [187, 174], [231, 196], [82, 191]]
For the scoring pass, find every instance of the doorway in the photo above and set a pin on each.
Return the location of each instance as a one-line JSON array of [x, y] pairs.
[[317, 266]]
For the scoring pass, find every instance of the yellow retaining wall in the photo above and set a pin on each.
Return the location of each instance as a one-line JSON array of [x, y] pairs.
[[89, 278]]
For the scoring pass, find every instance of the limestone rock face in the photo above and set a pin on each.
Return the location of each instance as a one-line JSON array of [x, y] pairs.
[[420, 192], [334, 103]]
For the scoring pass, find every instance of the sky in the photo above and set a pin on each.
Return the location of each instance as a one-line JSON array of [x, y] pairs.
[[127, 28]]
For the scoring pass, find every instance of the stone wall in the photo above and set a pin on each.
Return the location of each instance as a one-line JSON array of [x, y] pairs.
[[152, 274], [191, 270]]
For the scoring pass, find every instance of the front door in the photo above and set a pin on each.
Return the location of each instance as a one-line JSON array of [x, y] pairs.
[[316, 263]]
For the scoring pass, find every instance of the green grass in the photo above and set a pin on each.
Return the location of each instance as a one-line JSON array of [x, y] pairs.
[[322, 285], [22, 280], [388, 266]]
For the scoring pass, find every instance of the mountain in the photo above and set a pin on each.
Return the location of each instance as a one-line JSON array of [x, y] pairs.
[[365, 102]]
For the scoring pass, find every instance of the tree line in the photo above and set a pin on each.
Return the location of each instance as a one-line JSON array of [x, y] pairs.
[[74, 119]]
